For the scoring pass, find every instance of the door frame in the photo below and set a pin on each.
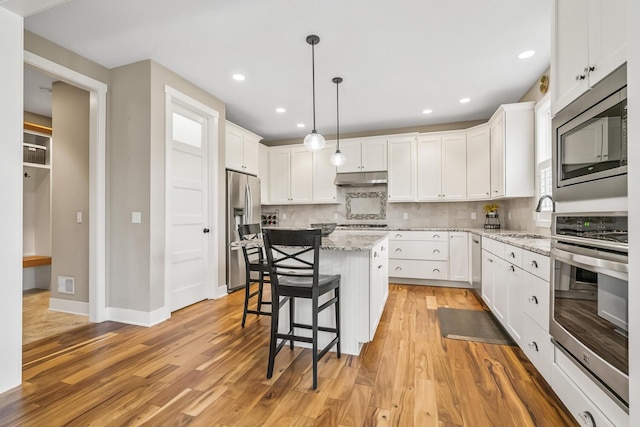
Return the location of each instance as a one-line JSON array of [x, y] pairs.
[[212, 116], [97, 176]]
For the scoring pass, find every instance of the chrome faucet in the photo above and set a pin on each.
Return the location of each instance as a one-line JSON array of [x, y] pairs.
[[546, 196]]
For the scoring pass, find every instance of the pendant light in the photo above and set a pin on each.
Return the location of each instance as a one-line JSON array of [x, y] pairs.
[[314, 141], [337, 158]]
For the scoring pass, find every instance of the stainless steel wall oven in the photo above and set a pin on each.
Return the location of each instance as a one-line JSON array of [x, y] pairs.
[[590, 143], [589, 310]]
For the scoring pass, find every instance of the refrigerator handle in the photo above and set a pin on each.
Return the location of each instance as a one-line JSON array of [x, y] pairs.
[[247, 202]]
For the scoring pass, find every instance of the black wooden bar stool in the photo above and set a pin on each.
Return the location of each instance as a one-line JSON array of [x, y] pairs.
[[254, 260], [293, 276]]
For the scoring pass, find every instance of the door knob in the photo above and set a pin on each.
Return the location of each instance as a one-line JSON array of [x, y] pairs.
[[206, 230]]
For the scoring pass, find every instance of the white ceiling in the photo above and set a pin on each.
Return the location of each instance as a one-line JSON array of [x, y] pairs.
[[396, 58]]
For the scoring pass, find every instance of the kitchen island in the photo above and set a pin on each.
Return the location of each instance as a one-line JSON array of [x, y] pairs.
[[362, 262]]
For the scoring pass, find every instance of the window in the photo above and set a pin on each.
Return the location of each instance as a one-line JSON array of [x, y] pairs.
[[543, 159]]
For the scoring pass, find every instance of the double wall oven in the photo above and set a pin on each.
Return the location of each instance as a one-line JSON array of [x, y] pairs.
[[590, 306]]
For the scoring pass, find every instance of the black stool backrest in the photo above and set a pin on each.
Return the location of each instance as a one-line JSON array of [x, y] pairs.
[[285, 249], [251, 232]]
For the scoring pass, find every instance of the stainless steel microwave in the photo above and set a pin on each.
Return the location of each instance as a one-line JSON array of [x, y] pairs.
[[590, 143]]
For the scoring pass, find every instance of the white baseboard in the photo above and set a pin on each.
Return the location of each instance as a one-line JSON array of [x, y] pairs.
[[68, 306], [429, 282], [136, 317], [220, 291]]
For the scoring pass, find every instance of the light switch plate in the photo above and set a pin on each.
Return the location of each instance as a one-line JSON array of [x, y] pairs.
[[473, 215], [79, 217], [136, 217], [405, 215]]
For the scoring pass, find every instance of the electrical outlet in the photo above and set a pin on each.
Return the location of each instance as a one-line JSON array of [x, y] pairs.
[[405, 216], [136, 217], [79, 217], [335, 216], [473, 215], [284, 216], [509, 215]]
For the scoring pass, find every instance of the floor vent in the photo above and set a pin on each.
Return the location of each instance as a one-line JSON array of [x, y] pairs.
[[66, 285]]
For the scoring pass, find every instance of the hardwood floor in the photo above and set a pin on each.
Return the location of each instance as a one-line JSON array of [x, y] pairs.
[[201, 368], [39, 322]]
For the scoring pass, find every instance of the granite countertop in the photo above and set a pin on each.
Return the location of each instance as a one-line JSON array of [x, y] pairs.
[[339, 240]]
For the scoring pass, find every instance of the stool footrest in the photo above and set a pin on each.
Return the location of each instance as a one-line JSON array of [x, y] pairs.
[[327, 304], [320, 328], [266, 313]]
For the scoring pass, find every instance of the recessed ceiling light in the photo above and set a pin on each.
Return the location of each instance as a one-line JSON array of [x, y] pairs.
[[280, 110], [526, 54], [238, 77], [300, 125], [464, 100], [427, 111]]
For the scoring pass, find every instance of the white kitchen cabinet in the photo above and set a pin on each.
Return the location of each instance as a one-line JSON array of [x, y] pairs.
[[379, 285], [488, 261], [458, 256], [442, 166], [364, 155], [514, 316], [290, 175], [401, 185], [479, 163], [241, 149], [419, 255], [512, 151], [589, 41], [324, 175], [263, 173], [500, 298]]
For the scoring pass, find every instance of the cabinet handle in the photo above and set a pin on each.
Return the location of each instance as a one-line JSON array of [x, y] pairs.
[[398, 268], [534, 264], [512, 269], [487, 193], [533, 346], [489, 259], [586, 419], [436, 251], [589, 69], [436, 236], [495, 191], [399, 236], [380, 266], [436, 270], [580, 77], [512, 255], [381, 248], [533, 299], [398, 250], [376, 255]]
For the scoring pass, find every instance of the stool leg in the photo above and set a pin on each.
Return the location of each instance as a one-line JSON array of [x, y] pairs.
[[292, 309], [314, 344], [275, 314], [247, 289], [260, 285], [337, 307]]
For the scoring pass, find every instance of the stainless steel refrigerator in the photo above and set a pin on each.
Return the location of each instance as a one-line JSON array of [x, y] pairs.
[[243, 207]]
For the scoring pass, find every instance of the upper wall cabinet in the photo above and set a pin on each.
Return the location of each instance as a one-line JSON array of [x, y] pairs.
[[479, 163], [512, 155], [401, 185], [589, 41], [364, 155], [442, 166], [324, 175], [241, 149]]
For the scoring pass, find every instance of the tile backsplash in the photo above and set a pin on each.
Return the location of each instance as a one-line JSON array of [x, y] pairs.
[[424, 214]]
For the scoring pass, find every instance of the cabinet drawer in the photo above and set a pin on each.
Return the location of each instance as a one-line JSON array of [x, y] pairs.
[[536, 344], [575, 400], [513, 255], [535, 299], [588, 395], [493, 246], [419, 235], [536, 264], [420, 250], [413, 269]]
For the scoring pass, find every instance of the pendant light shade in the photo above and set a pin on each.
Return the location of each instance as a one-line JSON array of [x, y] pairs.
[[314, 141], [338, 158]]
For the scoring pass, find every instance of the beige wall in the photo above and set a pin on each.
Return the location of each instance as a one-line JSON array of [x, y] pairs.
[[70, 192], [136, 182], [37, 119], [533, 93]]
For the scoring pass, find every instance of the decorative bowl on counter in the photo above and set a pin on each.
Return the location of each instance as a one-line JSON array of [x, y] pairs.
[[326, 228]]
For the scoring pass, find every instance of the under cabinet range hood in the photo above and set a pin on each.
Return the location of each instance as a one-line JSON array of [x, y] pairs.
[[361, 179]]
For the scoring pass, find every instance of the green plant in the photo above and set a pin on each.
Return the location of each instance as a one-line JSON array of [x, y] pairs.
[[490, 207]]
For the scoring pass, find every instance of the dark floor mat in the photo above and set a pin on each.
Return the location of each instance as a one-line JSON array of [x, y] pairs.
[[472, 325]]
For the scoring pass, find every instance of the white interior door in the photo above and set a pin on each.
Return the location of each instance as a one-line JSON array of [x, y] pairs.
[[187, 207]]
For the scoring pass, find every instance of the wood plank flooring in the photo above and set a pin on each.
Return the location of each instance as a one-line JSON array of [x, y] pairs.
[[201, 368], [39, 322]]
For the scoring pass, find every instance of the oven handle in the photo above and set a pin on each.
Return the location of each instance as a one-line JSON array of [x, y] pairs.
[[612, 268]]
